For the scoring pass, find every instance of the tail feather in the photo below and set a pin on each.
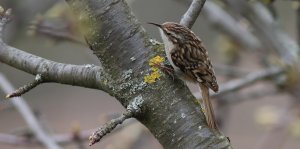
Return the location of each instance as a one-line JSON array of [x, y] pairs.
[[210, 116]]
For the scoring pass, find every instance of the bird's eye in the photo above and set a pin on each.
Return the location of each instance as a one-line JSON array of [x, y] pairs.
[[168, 33]]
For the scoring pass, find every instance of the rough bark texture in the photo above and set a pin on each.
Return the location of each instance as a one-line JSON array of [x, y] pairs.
[[116, 38]]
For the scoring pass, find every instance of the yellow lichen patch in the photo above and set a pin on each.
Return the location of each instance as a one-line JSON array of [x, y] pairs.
[[151, 78], [155, 74], [155, 61]]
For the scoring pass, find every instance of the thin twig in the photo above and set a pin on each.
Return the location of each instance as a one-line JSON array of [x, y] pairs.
[[108, 127], [191, 15], [62, 139], [133, 109], [24, 89], [28, 116]]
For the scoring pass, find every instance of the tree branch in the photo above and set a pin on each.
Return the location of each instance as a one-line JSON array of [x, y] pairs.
[[4, 18], [50, 29], [62, 139], [191, 15], [298, 24], [134, 108], [227, 24], [22, 90], [221, 20], [267, 29], [169, 109], [249, 79], [89, 76], [28, 116]]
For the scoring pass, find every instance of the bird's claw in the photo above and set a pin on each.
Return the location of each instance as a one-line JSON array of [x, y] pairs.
[[168, 69]]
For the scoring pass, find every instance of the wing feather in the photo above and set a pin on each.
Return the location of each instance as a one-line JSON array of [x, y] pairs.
[[194, 62]]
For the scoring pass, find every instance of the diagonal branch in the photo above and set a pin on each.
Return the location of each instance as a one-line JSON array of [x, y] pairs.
[[22, 90], [89, 76], [223, 21], [191, 15], [249, 79], [267, 29], [134, 108], [29, 117]]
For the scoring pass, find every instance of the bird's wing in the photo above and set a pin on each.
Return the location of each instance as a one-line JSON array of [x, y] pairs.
[[193, 60]]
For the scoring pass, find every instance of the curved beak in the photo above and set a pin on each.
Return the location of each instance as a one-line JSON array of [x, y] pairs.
[[158, 25]]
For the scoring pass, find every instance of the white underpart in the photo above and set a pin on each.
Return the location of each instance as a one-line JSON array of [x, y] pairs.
[[168, 47]]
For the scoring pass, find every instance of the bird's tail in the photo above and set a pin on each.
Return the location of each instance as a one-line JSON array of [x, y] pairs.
[[210, 116]]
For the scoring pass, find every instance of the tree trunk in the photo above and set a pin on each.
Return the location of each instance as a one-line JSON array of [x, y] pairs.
[[124, 49]]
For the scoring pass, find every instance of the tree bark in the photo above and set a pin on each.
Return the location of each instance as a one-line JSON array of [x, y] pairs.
[[117, 38]]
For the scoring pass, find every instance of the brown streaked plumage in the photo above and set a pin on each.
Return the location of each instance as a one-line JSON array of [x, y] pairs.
[[188, 56]]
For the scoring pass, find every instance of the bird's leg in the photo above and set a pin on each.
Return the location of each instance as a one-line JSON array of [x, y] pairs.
[[168, 69]]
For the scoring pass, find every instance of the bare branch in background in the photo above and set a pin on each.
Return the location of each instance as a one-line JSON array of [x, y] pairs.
[[267, 29], [24, 89], [133, 109], [298, 23], [28, 116], [58, 30], [231, 70], [4, 19], [230, 26], [191, 15], [249, 79], [227, 24], [257, 94], [62, 139]]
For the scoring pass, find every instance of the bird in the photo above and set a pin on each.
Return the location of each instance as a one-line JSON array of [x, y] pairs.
[[189, 58]]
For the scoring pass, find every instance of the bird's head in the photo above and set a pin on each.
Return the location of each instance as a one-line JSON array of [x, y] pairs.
[[173, 31]]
